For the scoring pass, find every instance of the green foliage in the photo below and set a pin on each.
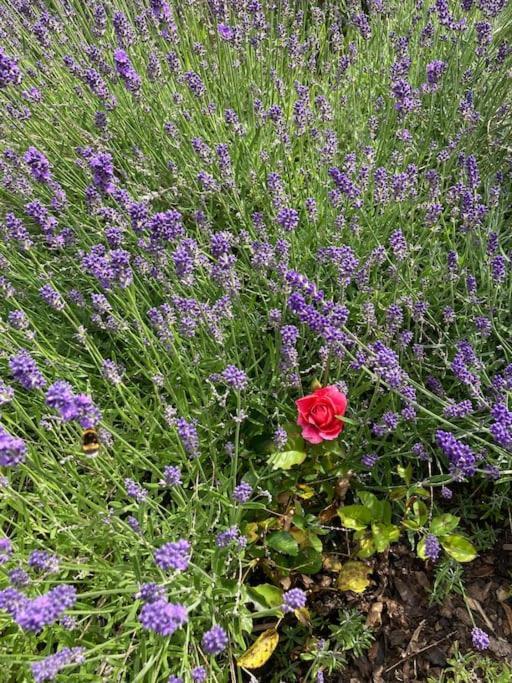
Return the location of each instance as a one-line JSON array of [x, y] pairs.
[[474, 668], [350, 633], [448, 578]]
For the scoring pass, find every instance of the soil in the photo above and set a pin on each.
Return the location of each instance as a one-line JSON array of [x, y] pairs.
[[413, 639]]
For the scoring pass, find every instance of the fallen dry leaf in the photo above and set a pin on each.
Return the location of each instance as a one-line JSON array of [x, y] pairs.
[[508, 613], [260, 651], [374, 618]]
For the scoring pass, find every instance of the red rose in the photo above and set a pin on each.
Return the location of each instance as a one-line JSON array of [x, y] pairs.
[[320, 414]]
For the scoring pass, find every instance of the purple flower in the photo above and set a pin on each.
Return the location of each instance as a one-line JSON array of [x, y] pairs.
[[460, 455], [12, 600], [369, 460], [294, 599], [288, 219], [435, 70], [112, 372], [38, 164], [134, 524], [47, 669], [199, 674], [174, 555], [79, 407], [480, 639], [501, 427], [18, 320], [195, 83], [419, 450], [361, 22], [150, 592], [280, 438], [102, 172], [34, 615], [25, 371], [189, 437], [125, 69], [52, 297], [10, 73], [446, 493], [498, 268], [166, 226], [243, 492], [5, 550], [18, 577], [235, 378], [172, 475], [135, 490], [458, 410], [174, 679], [88, 415], [215, 640], [432, 547], [225, 32], [60, 396], [13, 450], [225, 538], [398, 245], [42, 561], [163, 617]]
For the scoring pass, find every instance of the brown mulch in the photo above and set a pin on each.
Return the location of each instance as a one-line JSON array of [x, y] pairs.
[[414, 640]]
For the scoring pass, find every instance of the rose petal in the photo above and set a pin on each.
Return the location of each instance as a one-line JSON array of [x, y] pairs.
[[322, 414], [311, 434], [305, 403], [338, 399], [331, 434]]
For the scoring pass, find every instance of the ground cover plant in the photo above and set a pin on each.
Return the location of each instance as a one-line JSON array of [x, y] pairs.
[[256, 362]]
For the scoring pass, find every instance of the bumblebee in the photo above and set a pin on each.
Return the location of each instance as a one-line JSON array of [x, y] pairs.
[[90, 442]]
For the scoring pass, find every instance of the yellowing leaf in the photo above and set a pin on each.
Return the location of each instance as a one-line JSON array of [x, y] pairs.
[[251, 532], [298, 535], [331, 563], [260, 651], [459, 548], [366, 547], [303, 616], [354, 577], [305, 491]]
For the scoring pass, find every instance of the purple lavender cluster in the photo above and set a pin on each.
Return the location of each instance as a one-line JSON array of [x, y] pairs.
[[71, 406], [36, 613]]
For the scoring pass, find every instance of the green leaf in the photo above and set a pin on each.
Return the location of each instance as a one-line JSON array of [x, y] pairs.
[[286, 460], [315, 542], [355, 516], [266, 595], [295, 441], [420, 512], [411, 524], [366, 547], [398, 493], [419, 491], [283, 542], [459, 548], [420, 549], [308, 561], [443, 524], [405, 473], [383, 535], [369, 500], [380, 509]]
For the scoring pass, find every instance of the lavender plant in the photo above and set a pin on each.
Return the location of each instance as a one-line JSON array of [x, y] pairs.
[[206, 207]]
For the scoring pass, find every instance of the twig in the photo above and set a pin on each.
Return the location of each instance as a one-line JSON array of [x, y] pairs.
[[418, 652]]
